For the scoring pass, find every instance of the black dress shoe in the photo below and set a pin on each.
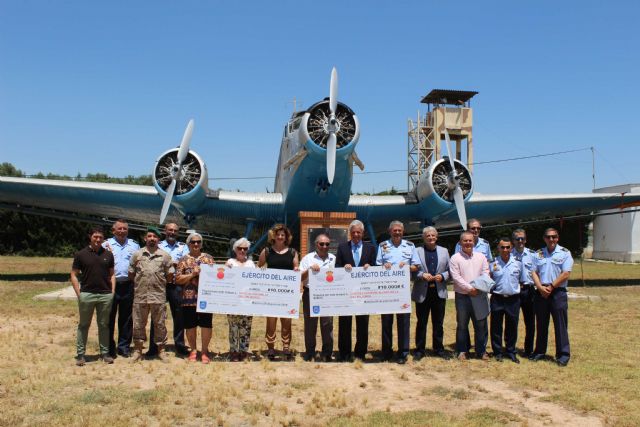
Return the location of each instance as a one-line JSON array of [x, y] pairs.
[[401, 360], [514, 358], [124, 353], [499, 357], [562, 362], [536, 357], [418, 355], [182, 351], [326, 358]]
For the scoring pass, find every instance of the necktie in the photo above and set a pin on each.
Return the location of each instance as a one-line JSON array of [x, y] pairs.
[[356, 255]]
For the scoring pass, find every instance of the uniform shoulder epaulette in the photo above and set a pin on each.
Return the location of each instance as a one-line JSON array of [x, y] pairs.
[[482, 240], [565, 250], [409, 243]]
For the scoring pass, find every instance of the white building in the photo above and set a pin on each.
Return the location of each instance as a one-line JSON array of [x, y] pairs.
[[617, 237]]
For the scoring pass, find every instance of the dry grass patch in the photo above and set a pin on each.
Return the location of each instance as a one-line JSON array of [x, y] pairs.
[[599, 385]]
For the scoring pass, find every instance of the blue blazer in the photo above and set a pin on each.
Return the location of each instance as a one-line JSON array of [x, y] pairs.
[[344, 255], [419, 292]]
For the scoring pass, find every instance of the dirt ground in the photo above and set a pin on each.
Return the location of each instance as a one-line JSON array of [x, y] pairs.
[[40, 383]]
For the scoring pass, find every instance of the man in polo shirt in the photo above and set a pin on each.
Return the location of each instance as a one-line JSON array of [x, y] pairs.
[[122, 249], [151, 269], [94, 266]]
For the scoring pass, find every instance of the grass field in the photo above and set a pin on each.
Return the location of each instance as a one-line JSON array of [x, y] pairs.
[[39, 383]]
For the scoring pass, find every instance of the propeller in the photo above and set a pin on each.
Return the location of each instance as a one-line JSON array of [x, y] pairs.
[[176, 170], [333, 126], [453, 182]]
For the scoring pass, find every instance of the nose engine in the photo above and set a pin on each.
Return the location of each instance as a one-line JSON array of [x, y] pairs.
[[319, 124]]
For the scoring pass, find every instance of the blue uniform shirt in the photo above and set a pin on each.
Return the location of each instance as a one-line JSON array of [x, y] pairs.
[[482, 246], [527, 258], [507, 275], [177, 250], [550, 265], [404, 252], [121, 256]]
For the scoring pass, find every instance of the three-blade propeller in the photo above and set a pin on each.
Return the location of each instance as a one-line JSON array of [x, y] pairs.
[[333, 126], [176, 170], [453, 182]]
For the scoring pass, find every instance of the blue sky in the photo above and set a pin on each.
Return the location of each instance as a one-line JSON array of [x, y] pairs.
[[90, 87]]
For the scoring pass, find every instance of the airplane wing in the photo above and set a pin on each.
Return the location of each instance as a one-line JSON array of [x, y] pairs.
[[489, 209], [218, 211]]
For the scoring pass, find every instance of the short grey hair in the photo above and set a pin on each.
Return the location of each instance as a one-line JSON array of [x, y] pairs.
[[241, 241], [192, 235], [465, 232], [518, 231], [394, 223], [356, 223], [429, 228]]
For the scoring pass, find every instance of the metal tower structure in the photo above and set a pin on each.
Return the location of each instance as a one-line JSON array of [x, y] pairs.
[[445, 108]]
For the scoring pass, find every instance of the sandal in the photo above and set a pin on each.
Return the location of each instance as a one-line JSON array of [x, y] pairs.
[[271, 354], [205, 359], [193, 356]]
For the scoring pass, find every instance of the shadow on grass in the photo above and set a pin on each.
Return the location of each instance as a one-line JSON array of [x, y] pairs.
[[577, 283], [31, 277]]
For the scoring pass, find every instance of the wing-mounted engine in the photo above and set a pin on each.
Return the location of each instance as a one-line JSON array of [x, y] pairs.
[[439, 185], [190, 187]]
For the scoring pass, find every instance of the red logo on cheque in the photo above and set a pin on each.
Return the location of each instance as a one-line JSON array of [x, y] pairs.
[[329, 277], [220, 274]]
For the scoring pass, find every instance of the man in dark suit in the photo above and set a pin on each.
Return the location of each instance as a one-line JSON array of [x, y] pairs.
[[430, 293], [354, 253]]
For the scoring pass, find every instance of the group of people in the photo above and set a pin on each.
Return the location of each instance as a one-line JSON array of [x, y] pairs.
[[117, 278]]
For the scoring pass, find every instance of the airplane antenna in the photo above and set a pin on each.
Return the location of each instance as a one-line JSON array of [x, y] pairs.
[[593, 166]]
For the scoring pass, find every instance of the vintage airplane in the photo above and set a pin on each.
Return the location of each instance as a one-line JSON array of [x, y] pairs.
[[314, 173]]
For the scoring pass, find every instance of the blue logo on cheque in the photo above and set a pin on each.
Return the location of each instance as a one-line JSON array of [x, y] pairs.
[[203, 305], [316, 309]]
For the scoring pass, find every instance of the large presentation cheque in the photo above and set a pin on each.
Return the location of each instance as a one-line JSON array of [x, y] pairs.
[[249, 291], [336, 292]]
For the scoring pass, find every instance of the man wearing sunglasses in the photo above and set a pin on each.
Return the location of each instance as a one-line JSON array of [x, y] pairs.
[[527, 289], [479, 244], [314, 261], [507, 272], [553, 265]]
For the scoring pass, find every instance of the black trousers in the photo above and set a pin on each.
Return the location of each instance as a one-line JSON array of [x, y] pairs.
[[556, 306], [311, 329], [436, 305], [404, 331], [174, 298], [507, 310], [344, 336], [122, 307], [527, 294]]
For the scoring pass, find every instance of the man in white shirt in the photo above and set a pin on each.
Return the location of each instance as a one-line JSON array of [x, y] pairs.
[[314, 261]]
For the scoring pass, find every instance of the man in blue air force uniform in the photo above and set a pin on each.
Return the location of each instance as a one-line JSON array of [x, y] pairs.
[[527, 289], [480, 245], [553, 265], [122, 249], [507, 272], [396, 252]]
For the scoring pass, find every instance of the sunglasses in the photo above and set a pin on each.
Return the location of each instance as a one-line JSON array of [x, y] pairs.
[[243, 249], [195, 242], [519, 239], [324, 245], [551, 236], [505, 247]]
